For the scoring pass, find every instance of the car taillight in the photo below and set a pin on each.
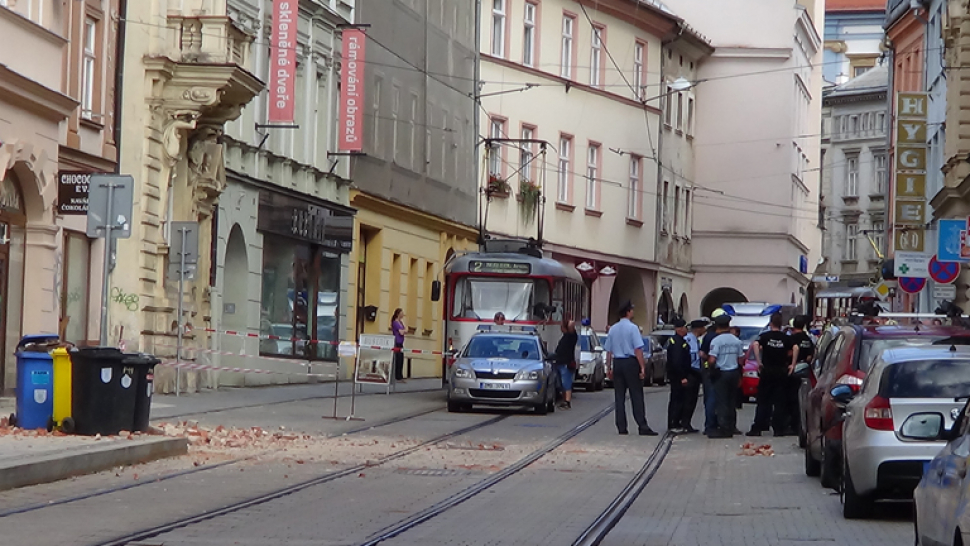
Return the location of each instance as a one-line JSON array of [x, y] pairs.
[[852, 381], [878, 415], [451, 351]]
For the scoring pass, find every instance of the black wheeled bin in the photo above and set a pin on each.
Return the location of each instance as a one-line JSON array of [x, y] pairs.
[[103, 391], [144, 366]]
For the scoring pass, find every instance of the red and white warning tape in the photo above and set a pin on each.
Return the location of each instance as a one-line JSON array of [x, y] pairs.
[[295, 361], [193, 366], [319, 341]]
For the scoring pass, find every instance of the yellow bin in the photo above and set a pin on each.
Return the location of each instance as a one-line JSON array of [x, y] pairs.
[[62, 389]]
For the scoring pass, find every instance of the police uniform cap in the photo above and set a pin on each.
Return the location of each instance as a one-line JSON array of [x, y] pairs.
[[679, 323], [722, 320], [626, 307], [698, 324]]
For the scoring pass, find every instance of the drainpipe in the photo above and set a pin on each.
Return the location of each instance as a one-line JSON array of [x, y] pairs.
[[660, 143], [476, 113], [119, 78]]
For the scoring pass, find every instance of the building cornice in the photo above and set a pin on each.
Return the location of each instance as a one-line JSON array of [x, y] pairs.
[[644, 16], [570, 84], [733, 234], [753, 52], [33, 96], [72, 158], [601, 257], [365, 201], [25, 23]]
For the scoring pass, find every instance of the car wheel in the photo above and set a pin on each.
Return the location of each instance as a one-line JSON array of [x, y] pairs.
[[543, 408], [829, 471], [854, 506], [802, 436], [454, 407], [551, 406], [663, 379], [648, 376], [812, 467]]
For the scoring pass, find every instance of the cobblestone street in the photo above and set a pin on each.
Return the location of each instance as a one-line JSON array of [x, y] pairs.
[[704, 492]]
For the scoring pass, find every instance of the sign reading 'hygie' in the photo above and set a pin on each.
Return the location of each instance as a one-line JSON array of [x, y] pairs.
[[72, 192]]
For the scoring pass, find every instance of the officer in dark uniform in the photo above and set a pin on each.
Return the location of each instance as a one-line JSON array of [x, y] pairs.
[[678, 373]]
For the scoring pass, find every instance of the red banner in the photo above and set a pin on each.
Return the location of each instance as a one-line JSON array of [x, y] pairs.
[[282, 65], [352, 91]]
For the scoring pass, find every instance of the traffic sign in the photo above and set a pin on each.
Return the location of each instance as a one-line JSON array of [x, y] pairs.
[[911, 285], [943, 272], [912, 264], [109, 205], [949, 240], [944, 292]]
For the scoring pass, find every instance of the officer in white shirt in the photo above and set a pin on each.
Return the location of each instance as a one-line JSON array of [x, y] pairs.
[[726, 356], [626, 367]]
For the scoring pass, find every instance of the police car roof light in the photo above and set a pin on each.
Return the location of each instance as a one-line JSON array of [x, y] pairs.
[[729, 309], [770, 310], [511, 328]]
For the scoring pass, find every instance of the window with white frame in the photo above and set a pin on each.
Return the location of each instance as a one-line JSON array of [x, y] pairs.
[[444, 143], [854, 125], [395, 109], [680, 111], [376, 92], [592, 176], [526, 154], [881, 121], [639, 81], [565, 148], [88, 69], [668, 105], [852, 176], [412, 122], [878, 236], [880, 172], [665, 207], [595, 56], [566, 60], [851, 241], [498, 27], [529, 35], [690, 115], [633, 206], [676, 210], [496, 128], [687, 210]]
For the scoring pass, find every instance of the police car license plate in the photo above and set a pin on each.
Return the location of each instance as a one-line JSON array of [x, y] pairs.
[[495, 386]]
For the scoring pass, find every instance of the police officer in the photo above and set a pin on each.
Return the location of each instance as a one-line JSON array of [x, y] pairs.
[[694, 378], [625, 366], [726, 356], [710, 415], [678, 372]]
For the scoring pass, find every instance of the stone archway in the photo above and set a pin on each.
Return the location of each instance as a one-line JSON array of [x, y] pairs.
[[235, 299], [665, 307], [718, 297], [683, 309], [629, 286]]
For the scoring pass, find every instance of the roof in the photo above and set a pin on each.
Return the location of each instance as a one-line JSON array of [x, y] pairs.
[[855, 5], [936, 352], [871, 85]]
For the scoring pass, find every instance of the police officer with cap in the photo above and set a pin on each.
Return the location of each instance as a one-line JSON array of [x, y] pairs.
[[626, 367], [678, 371]]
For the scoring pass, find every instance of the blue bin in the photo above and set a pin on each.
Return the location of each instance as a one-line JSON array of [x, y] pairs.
[[35, 383]]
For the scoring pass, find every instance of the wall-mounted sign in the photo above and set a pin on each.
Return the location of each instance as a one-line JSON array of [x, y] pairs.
[[910, 239], [508, 268], [332, 228], [909, 186], [282, 63], [352, 91], [72, 192], [910, 213]]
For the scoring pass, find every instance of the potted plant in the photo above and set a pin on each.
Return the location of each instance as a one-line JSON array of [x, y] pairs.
[[497, 186], [529, 196]]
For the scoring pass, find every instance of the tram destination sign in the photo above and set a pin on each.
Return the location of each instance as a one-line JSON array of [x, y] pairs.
[[509, 268]]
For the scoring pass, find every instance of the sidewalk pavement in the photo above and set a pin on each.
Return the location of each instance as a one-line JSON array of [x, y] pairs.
[[34, 457]]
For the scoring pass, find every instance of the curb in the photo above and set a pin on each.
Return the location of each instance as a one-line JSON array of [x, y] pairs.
[[88, 460]]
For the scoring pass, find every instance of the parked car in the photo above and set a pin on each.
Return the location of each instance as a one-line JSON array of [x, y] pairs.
[[848, 357], [656, 356], [942, 498], [502, 369], [887, 438], [821, 350], [591, 368]]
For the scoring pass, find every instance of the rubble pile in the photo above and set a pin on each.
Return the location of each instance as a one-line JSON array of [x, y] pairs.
[[753, 450], [230, 437]]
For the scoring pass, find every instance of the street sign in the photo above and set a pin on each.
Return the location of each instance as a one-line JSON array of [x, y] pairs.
[[911, 285], [883, 289], [120, 188], [943, 272], [944, 292], [191, 250], [72, 192], [910, 213], [912, 264], [909, 239], [949, 240]]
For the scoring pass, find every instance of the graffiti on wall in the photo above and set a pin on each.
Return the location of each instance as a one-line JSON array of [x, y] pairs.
[[130, 301]]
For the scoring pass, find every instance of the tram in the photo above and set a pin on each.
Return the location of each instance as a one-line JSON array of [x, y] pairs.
[[516, 280]]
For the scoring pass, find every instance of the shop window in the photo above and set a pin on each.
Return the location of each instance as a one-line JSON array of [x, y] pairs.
[[300, 299], [412, 307], [75, 288]]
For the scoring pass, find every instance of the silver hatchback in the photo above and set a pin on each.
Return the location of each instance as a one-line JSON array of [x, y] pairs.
[[502, 369], [884, 444]]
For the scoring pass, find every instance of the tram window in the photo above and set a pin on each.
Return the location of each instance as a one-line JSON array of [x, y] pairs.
[[482, 298]]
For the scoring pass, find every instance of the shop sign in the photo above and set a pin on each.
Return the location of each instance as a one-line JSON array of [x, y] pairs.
[[72, 192], [297, 219], [282, 76], [352, 91]]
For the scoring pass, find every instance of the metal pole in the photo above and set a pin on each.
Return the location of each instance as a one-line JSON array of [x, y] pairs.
[[336, 389], [108, 225], [178, 344]]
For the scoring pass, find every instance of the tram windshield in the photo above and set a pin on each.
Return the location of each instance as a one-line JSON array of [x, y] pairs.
[[480, 298]]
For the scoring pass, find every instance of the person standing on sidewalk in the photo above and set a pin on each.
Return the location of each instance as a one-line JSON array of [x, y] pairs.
[[566, 359], [694, 377], [626, 368], [773, 351], [710, 415], [726, 355], [678, 371], [398, 328], [803, 351]]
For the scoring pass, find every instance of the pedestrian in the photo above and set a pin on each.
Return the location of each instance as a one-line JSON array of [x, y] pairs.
[[694, 378], [803, 351], [566, 359], [726, 355], [626, 368], [773, 351], [678, 371], [710, 415], [398, 328]]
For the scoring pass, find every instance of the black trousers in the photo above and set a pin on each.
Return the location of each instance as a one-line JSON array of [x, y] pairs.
[[792, 387], [398, 363], [725, 395], [772, 410], [683, 401], [626, 377]]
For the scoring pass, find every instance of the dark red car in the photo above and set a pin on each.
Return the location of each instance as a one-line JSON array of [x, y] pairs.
[[843, 358]]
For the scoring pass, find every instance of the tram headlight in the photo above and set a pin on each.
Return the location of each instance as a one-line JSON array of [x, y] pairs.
[[526, 375], [464, 373]]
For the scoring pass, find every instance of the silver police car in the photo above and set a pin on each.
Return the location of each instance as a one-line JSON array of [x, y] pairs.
[[502, 369]]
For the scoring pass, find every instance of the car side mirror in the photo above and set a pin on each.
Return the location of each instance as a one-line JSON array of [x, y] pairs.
[[924, 426], [435, 290], [597, 349], [842, 395]]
